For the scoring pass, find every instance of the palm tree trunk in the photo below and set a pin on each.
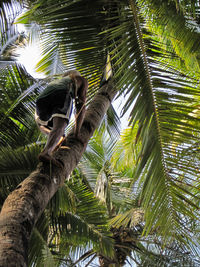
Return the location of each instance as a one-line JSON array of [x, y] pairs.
[[25, 204]]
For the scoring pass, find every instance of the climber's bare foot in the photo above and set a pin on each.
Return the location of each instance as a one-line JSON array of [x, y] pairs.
[[59, 144]]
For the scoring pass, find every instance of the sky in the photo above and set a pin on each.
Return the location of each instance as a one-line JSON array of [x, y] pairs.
[[29, 55]]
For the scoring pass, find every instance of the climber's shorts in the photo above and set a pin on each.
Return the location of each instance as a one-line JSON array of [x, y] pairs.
[[56, 104]]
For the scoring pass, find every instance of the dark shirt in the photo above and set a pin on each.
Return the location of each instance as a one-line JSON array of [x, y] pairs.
[[58, 85]]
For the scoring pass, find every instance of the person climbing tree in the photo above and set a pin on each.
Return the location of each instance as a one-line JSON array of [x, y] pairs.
[[54, 108]]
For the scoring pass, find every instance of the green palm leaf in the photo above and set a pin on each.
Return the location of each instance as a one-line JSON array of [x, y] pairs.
[[17, 94], [16, 165], [178, 23], [39, 252], [9, 35], [82, 221]]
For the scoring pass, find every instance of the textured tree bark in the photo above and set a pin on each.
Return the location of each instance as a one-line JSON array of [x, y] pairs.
[[25, 204]]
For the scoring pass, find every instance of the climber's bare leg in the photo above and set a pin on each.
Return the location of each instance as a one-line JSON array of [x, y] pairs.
[[44, 130], [54, 137]]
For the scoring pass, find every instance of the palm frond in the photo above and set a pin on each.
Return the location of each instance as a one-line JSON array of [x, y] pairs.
[[129, 219], [178, 23], [16, 165], [111, 123], [85, 223], [17, 94], [11, 39], [51, 63], [148, 251], [96, 167], [39, 252]]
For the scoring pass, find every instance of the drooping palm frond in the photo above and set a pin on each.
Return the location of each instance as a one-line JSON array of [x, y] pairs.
[[178, 23], [111, 183], [17, 94], [16, 165], [10, 37], [82, 221], [51, 63], [39, 252], [18, 131], [96, 167], [124, 158], [130, 218], [148, 254], [111, 123]]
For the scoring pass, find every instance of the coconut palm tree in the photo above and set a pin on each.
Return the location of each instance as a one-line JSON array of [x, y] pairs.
[[151, 45]]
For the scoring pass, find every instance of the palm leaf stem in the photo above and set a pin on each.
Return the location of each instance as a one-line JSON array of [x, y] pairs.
[[83, 257], [148, 74], [155, 147]]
